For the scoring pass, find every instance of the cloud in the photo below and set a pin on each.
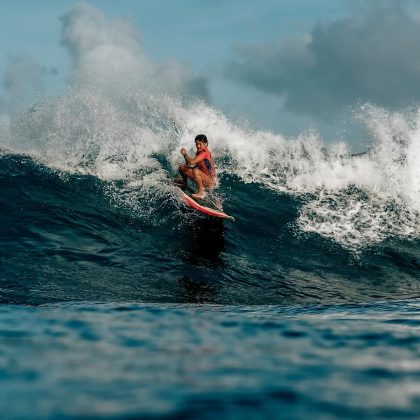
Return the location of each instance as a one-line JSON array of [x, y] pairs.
[[105, 51], [23, 79], [23, 73], [370, 55]]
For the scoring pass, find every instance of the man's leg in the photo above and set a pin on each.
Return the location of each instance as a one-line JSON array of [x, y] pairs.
[[186, 173], [202, 180], [199, 181]]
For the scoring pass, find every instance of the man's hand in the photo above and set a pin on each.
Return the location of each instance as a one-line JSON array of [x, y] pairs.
[[183, 152]]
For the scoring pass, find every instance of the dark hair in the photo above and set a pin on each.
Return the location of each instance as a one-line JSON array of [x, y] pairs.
[[201, 137]]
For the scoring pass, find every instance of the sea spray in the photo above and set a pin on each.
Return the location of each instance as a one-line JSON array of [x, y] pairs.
[[135, 138]]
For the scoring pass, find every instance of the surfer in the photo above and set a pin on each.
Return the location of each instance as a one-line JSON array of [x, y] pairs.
[[199, 168]]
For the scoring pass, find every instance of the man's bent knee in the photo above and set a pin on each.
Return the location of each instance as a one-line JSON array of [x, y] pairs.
[[196, 174]]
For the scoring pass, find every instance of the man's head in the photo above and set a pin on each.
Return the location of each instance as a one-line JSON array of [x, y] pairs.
[[202, 138]]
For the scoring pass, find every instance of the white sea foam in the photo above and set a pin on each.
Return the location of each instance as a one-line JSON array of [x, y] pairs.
[[355, 200], [136, 137]]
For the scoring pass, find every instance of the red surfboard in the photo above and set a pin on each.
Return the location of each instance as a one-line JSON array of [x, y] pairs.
[[196, 205]]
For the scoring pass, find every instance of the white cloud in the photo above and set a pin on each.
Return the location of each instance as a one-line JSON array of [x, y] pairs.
[[22, 81], [371, 55]]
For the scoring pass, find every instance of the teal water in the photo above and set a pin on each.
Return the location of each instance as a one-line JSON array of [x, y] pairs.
[[127, 305], [201, 361]]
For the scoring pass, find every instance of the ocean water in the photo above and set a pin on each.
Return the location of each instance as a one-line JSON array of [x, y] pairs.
[[117, 301]]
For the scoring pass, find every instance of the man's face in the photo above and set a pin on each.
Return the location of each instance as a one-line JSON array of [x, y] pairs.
[[199, 145]]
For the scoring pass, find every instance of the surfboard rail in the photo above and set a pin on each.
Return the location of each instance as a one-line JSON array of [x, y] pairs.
[[203, 209]]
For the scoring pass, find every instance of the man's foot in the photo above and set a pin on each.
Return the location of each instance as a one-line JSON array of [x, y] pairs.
[[198, 196]]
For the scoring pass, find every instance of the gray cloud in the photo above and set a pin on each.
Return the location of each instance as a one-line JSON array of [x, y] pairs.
[[23, 79], [22, 74], [371, 55], [105, 51]]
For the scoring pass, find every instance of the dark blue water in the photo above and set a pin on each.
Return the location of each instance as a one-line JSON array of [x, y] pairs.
[[203, 361], [117, 307]]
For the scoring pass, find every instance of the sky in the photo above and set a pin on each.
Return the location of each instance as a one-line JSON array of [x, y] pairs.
[[283, 65]]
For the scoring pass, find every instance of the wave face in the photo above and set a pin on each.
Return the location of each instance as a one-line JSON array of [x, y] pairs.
[[89, 213]]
